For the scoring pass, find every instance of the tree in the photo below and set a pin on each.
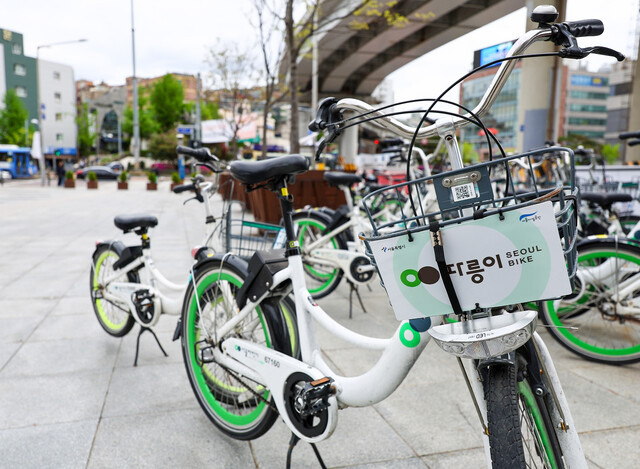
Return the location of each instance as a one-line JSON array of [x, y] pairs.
[[233, 74], [86, 122], [271, 57], [611, 153], [162, 145], [167, 102], [298, 32], [148, 125], [12, 119]]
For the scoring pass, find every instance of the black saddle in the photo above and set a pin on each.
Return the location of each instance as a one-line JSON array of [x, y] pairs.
[[131, 222], [253, 172], [605, 200], [341, 179]]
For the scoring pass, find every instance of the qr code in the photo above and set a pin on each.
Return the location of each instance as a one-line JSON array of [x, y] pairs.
[[463, 192]]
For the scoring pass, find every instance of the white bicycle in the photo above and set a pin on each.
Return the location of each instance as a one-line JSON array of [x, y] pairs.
[[126, 287], [238, 350]]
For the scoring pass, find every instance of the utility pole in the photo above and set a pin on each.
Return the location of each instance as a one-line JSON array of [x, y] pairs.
[[136, 118]]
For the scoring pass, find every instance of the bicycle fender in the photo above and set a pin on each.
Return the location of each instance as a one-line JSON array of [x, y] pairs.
[[127, 254], [508, 359], [231, 259]]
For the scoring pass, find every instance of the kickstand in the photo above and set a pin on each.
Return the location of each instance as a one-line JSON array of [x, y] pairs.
[[354, 288], [293, 442], [142, 329]]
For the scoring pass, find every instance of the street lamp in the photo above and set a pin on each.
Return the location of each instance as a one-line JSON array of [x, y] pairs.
[[40, 118]]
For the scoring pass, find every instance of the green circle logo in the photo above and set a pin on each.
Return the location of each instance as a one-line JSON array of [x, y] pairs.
[[410, 278], [406, 330]]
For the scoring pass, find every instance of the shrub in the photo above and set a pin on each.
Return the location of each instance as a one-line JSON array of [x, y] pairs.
[[153, 177], [123, 176], [69, 175], [175, 178], [92, 176]]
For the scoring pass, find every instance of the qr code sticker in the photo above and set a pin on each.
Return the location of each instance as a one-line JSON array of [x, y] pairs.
[[464, 192]]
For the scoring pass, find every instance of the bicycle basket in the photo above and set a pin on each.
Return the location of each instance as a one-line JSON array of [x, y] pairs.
[[501, 246], [243, 237]]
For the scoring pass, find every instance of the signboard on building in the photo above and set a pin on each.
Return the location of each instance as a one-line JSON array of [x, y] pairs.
[[588, 80], [491, 53]]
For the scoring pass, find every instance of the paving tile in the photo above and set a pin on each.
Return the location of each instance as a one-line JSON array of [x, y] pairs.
[[63, 398], [183, 438], [48, 446]]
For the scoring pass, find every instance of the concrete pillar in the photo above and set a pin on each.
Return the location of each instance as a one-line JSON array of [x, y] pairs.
[[538, 90], [633, 153], [348, 146]]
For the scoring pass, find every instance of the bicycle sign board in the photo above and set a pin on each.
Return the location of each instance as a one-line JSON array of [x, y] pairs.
[[491, 262]]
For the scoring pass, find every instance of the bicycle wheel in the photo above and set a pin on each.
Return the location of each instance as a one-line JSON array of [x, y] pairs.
[[113, 316], [321, 279], [590, 322], [238, 406], [521, 433]]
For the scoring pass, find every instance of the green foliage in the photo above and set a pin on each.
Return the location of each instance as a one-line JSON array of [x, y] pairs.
[[92, 176], [152, 177], [611, 153], [12, 119], [69, 175], [167, 98], [209, 111], [86, 137], [469, 155], [175, 178], [573, 141], [123, 176], [148, 125], [163, 146]]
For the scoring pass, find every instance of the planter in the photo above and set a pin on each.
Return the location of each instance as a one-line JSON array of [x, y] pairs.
[[123, 186], [152, 186], [310, 188], [174, 184], [92, 184], [70, 183]]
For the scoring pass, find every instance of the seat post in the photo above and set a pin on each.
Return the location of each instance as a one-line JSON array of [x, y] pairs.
[[286, 206], [146, 241]]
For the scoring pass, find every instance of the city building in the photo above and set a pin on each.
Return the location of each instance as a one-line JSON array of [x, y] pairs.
[[619, 103], [57, 108], [56, 96], [189, 85], [18, 72], [582, 106]]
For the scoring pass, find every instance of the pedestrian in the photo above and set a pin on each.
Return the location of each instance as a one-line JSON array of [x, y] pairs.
[[60, 172]]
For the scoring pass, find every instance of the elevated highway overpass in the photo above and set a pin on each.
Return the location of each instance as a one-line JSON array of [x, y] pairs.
[[357, 52]]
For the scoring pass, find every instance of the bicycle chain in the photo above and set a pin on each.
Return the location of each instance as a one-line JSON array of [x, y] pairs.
[[234, 375]]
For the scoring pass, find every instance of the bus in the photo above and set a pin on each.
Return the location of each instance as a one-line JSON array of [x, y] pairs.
[[16, 162]]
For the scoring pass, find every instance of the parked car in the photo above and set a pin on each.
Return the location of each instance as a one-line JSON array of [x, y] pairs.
[[116, 166], [103, 172]]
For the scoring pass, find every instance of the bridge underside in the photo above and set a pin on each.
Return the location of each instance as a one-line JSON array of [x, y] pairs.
[[358, 52]]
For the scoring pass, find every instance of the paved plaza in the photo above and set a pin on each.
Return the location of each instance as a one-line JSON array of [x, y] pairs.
[[71, 398]]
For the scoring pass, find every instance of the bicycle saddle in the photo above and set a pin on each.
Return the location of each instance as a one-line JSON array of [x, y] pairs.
[[253, 172], [341, 179], [131, 222], [606, 200]]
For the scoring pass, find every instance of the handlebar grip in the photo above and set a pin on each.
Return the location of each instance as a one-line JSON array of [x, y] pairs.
[[634, 142], [201, 154], [626, 135], [184, 188], [592, 27]]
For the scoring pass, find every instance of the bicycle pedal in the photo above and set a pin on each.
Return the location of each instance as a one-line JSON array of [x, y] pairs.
[[314, 396]]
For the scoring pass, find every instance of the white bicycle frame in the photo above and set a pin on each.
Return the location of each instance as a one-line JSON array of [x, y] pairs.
[[167, 295], [400, 351]]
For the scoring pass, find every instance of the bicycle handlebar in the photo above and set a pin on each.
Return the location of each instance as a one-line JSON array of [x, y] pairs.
[[634, 142], [626, 135], [184, 188], [203, 155]]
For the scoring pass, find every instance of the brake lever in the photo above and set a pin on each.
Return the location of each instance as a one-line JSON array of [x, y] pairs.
[[576, 52]]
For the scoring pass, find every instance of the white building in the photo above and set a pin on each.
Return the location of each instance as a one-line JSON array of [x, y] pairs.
[[57, 108]]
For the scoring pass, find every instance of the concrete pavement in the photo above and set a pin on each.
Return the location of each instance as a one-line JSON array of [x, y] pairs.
[[70, 397]]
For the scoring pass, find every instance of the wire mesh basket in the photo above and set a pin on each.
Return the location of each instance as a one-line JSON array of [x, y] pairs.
[[478, 208], [243, 237]]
